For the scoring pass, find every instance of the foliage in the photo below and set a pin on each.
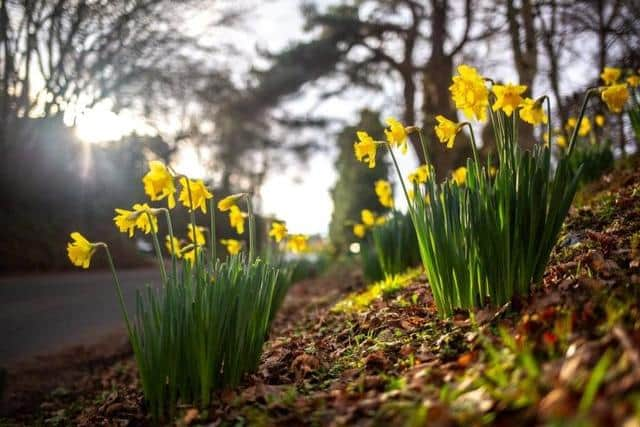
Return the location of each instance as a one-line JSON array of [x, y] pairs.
[[204, 331], [492, 238], [353, 191], [204, 328], [371, 268], [396, 245], [596, 158]]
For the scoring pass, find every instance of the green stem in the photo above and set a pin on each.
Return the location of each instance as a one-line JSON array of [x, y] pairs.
[[118, 288], [252, 228], [404, 188], [474, 147], [423, 144], [212, 231], [548, 101], [172, 237], [192, 216], [156, 245], [574, 134]]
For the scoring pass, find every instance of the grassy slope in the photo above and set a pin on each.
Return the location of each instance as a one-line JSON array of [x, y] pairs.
[[569, 354]]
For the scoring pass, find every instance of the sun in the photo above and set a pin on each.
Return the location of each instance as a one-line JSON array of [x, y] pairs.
[[100, 124]]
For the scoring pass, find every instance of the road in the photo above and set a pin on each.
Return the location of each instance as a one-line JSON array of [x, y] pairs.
[[43, 313]]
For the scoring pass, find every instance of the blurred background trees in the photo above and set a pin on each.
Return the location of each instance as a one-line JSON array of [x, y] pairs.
[[165, 63]]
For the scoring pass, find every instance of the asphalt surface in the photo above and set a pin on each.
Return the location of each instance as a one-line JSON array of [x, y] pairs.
[[41, 314]]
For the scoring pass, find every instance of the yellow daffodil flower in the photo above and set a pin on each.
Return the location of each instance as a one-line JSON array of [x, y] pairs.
[[531, 111], [80, 250], [420, 175], [460, 175], [633, 80], [359, 230], [615, 96], [125, 221], [610, 75], [233, 246], [158, 183], [236, 219], [141, 217], [365, 149], [199, 194], [381, 220], [368, 217], [508, 97], [470, 93], [585, 125], [190, 255], [493, 171], [226, 203], [199, 236], [384, 192], [396, 134], [278, 231], [298, 243], [446, 130], [173, 246], [561, 141], [600, 121]]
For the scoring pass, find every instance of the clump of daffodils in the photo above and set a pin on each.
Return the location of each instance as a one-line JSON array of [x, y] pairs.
[[486, 232], [216, 310]]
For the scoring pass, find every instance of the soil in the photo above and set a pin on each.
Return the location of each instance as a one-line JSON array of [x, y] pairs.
[[345, 353]]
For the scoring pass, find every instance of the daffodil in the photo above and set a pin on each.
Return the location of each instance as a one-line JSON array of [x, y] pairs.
[[80, 250], [199, 236], [368, 217], [460, 175], [419, 175], [365, 149], [508, 97], [446, 130], [236, 219], [199, 194], [470, 93], [585, 125], [158, 183], [493, 171], [141, 217], [610, 75], [233, 246], [190, 254], [633, 80], [531, 111], [381, 220], [125, 221], [384, 192], [561, 141], [359, 230], [173, 246], [146, 219], [298, 243], [278, 231], [396, 134], [615, 96], [226, 203]]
